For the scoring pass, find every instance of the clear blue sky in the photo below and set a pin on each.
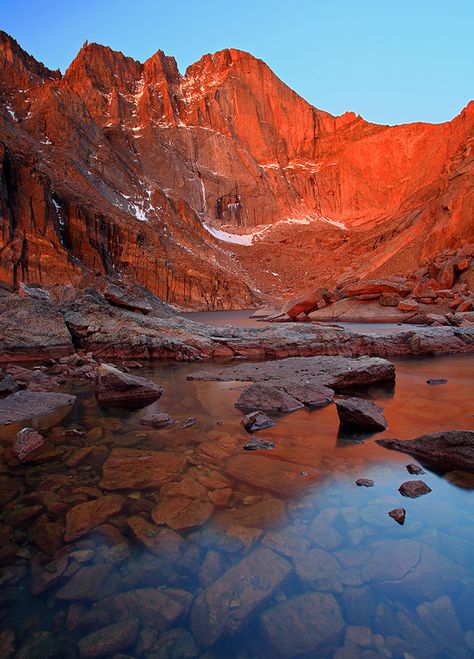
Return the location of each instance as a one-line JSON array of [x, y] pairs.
[[391, 61]]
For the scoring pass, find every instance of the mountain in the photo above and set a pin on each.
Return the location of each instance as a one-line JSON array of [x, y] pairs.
[[216, 188]]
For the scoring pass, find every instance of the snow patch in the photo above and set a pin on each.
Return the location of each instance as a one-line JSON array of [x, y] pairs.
[[11, 112], [233, 238]]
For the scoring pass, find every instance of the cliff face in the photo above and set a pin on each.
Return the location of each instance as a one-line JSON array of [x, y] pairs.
[[122, 168]]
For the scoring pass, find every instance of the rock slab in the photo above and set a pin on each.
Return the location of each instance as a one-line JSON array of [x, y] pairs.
[[229, 602]]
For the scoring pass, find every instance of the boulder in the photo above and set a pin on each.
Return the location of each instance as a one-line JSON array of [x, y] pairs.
[[231, 600], [389, 300], [440, 619], [45, 408], [26, 441], [364, 482], [85, 516], [423, 290], [121, 298], [157, 421], [109, 640], [268, 399], [312, 395], [306, 303], [414, 469], [7, 385], [114, 387], [360, 413], [259, 443], [132, 469], [376, 286], [164, 543], [257, 421], [414, 489], [444, 451], [182, 513], [399, 515], [446, 275], [329, 371], [356, 310], [301, 625]]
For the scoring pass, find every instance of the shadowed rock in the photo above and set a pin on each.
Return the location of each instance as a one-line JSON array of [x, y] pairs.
[[360, 413], [444, 451], [109, 640], [301, 624], [113, 387]]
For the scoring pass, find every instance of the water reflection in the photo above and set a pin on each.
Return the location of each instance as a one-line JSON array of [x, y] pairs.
[[236, 553]]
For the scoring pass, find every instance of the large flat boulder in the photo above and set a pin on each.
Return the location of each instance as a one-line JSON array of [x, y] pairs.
[[452, 449], [230, 601], [37, 408], [114, 387], [334, 372], [352, 310]]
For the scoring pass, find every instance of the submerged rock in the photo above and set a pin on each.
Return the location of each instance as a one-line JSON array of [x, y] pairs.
[[157, 421], [181, 512], [436, 381], [109, 640], [85, 516], [26, 441], [231, 600], [445, 451], [114, 387], [360, 413], [132, 469], [414, 489], [257, 421], [300, 625]]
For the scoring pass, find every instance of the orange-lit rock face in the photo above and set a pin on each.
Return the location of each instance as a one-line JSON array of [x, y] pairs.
[[113, 168]]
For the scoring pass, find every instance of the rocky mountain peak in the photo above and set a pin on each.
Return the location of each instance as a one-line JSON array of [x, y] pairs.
[[18, 69]]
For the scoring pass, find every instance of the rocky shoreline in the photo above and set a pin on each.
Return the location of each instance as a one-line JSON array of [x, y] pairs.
[[53, 324]]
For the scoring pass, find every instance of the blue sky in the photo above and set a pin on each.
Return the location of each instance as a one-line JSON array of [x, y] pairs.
[[392, 61]]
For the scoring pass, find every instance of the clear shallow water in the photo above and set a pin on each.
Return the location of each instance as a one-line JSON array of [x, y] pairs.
[[310, 546]]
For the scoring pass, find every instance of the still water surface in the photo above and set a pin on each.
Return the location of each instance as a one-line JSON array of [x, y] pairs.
[[322, 570]]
